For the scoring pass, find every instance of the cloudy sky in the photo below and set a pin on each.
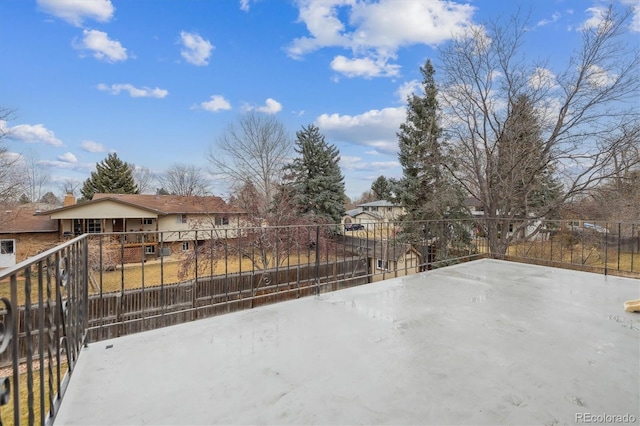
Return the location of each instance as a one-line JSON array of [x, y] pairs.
[[158, 81]]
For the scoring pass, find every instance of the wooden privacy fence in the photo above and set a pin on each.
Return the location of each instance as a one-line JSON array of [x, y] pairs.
[[117, 314]]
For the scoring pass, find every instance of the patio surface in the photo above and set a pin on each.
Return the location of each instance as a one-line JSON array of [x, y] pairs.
[[485, 342]]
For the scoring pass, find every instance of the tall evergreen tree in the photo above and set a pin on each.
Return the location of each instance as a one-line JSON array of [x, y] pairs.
[[315, 178], [381, 187], [523, 171], [112, 176], [425, 190]]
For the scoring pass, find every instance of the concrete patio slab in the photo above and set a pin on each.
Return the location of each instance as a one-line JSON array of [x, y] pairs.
[[485, 342]]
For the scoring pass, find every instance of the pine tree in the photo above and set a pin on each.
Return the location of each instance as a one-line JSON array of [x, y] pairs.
[[315, 178], [425, 190], [112, 176], [381, 187], [524, 179]]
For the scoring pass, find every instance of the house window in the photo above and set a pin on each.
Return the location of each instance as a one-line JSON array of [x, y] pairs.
[[77, 226], [182, 218], [185, 246], [382, 264], [147, 221], [94, 226], [6, 247], [222, 220], [149, 249]]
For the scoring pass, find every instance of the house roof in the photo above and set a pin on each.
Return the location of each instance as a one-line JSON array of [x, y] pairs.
[[25, 221], [472, 202], [380, 249], [379, 203], [352, 212], [163, 204], [372, 214], [391, 251]]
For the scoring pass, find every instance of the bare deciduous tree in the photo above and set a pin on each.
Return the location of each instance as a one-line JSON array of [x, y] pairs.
[[68, 186], [143, 178], [618, 198], [37, 177], [289, 238], [12, 179], [578, 109], [252, 151], [188, 180]]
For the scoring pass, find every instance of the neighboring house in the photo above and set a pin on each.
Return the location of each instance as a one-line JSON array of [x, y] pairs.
[[150, 221], [36, 206], [373, 212], [24, 233], [475, 206], [385, 259], [392, 260]]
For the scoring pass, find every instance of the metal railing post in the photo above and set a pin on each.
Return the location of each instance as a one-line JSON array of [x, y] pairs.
[[317, 260]]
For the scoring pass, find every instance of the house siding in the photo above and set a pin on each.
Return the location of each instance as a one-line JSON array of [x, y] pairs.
[[101, 210]]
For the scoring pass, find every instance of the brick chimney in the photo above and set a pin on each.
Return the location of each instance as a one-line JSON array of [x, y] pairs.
[[69, 200]]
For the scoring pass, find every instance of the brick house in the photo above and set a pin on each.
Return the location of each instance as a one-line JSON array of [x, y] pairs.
[[25, 233], [152, 223]]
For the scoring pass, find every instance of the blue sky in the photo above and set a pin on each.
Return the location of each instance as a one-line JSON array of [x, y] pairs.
[[157, 81]]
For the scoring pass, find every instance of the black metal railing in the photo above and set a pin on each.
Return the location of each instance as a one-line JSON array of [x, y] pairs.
[[100, 286], [43, 327]]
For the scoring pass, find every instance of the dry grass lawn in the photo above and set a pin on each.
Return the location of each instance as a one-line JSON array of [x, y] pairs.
[[577, 255], [168, 272], [6, 411]]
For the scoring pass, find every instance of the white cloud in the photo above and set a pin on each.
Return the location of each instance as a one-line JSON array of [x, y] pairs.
[[91, 146], [542, 78], [376, 128], [271, 107], [196, 50], [548, 110], [352, 163], [68, 157], [102, 47], [554, 18], [599, 77], [358, 164], [30, 133], [244, 5], [134, 92], [215, 104], [80, 167], [12, 156], [598, 15], [407, 89], [374, 31], [348, 162], [635, 20], [364, 67], [76, 11]]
